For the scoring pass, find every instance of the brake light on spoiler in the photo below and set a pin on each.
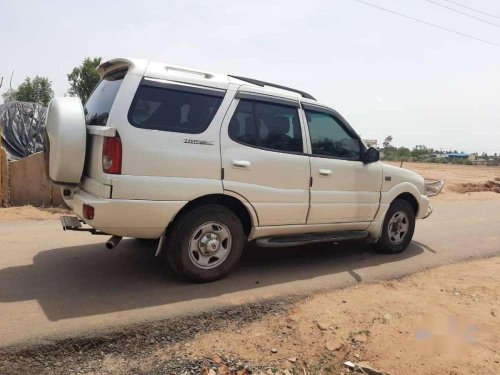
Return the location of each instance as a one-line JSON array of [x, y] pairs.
[[112, 155]]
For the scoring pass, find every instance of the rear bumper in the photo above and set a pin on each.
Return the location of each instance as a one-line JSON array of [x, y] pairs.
[[126, 218]]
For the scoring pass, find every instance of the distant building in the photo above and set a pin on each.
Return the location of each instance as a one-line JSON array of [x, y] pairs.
[[371, 142], [458, 155]]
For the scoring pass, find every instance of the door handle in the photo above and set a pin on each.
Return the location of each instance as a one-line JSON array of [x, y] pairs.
[[241, 163], [325, 172]]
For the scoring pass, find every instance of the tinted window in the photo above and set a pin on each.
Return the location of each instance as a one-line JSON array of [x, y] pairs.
[[100, 102], [329, 138], [266, 125], [172, 110]]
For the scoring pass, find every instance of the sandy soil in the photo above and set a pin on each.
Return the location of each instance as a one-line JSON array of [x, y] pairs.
[[461, 181], [30, 213], [443, 321]]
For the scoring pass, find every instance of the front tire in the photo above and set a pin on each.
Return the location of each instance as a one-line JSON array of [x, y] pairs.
[[205, 243], [397, 229]]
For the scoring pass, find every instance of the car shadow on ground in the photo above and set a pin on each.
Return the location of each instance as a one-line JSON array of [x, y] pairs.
[[88, 280]]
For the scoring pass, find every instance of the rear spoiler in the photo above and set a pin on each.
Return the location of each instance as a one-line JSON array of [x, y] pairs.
[[134, 66]]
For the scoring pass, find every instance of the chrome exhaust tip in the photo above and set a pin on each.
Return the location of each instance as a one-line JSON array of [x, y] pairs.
[[113, 242]]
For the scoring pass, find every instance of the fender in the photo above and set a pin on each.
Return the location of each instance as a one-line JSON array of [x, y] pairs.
[[247, 204], [386, 198]]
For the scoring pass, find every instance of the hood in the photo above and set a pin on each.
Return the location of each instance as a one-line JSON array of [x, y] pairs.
[[399, 175]]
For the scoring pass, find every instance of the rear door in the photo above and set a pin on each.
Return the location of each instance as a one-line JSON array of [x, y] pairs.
[[343, 188], [263, 157], [97, 111]]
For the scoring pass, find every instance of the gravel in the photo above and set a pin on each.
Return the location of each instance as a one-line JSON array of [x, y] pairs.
[[78, 355]]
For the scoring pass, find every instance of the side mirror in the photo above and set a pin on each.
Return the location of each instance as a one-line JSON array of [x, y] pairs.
[[371, 155]]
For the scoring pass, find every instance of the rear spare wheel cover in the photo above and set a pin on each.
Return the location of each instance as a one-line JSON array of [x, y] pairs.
[[67, 134]]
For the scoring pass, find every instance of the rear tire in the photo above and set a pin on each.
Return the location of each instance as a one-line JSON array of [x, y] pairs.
[[205, 243], [397, 229]]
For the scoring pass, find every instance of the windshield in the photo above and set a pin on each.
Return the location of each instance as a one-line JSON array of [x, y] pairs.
[[100, 102]]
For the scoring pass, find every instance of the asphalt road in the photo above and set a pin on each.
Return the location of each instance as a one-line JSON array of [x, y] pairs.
[[55, 283]]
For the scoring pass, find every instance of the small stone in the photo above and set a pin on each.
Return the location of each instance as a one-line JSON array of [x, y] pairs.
[[333, 346], [217, 359], [387, 317], [322, 326], [274, 350], [292, 359], [360, 337]]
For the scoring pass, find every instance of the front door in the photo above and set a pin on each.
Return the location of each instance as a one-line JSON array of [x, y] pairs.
[[263, 158], [344, 189]]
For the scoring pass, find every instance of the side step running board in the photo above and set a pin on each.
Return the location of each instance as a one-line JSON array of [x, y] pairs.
[[304, 239]]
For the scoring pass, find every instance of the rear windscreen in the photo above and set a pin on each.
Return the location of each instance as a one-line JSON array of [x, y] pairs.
[[100, 102]]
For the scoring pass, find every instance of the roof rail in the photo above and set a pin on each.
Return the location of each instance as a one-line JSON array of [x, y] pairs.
[[263, 83]]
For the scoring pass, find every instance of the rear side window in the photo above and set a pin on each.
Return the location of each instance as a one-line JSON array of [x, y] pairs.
[[271, 126], [173, 110], [100, 102], [329, 138]]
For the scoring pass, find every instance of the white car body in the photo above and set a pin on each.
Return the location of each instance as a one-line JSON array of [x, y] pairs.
[[163, 171]]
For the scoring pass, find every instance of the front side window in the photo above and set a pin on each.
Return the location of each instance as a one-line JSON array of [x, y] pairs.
[[172, 110], [100, 102], [271, 126], [329, 138]]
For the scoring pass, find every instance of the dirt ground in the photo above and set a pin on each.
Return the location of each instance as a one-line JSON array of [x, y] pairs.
[[477, 182], [30, 213], [441, 321]]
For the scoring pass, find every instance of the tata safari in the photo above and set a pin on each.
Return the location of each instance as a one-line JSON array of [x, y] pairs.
[[204, 162]]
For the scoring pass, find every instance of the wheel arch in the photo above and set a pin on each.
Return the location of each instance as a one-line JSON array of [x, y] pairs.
[[243, 210], [410, 198], [406, 191]]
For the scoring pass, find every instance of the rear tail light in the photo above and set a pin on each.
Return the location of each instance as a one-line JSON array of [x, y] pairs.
[[112, 155], [88, 212]]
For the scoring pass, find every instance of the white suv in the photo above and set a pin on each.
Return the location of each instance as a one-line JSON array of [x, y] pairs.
[[204, 162]]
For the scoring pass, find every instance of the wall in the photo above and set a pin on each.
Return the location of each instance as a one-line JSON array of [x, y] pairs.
[[28, 183], [4, 179]]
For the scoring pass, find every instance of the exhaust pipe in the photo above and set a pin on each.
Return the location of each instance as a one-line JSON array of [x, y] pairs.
[[113, 242]]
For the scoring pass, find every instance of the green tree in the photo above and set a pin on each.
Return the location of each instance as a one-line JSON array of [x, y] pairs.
[[421, 150], [387, 141], [9, 95], [36, 90], [84, 78], [403, 152]]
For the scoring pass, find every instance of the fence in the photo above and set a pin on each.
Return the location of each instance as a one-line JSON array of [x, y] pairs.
[[24, 182]]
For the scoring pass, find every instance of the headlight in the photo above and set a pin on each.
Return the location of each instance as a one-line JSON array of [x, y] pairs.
[[433, 187]]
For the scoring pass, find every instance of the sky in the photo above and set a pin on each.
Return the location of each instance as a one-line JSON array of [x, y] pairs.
[[386, 74]]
